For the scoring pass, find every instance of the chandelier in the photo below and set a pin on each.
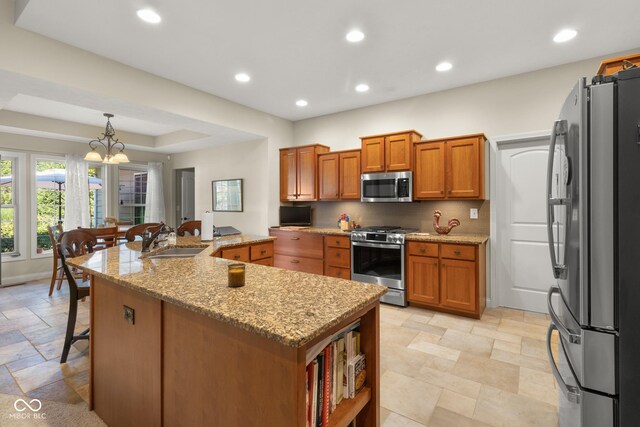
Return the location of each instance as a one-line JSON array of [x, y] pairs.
[[110, 144]]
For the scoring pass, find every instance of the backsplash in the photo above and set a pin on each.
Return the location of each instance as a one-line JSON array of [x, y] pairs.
[[417, 214]]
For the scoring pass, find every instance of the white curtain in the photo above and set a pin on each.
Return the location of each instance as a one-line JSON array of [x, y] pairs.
[[154, 207], [76, 189]]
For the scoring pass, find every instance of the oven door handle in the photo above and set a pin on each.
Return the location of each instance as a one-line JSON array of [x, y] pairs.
[[375, 245]]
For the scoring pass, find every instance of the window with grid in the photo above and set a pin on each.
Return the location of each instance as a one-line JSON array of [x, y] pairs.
[[8, 207], [132, 194]]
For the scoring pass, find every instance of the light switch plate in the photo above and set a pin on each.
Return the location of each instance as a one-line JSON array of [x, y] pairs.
[[473, 213]]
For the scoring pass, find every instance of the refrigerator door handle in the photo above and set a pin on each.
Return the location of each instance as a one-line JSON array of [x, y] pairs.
[[559, 128], [562, 330], [571, 393]]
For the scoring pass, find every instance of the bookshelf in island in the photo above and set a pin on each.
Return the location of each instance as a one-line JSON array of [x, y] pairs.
[[197, 352]]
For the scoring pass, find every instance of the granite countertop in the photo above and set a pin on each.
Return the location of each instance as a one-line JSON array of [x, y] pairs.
[[286, 306], [466, 238]]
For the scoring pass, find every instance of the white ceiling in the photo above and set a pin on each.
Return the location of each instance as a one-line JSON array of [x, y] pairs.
[[73, 113], [296, 49]]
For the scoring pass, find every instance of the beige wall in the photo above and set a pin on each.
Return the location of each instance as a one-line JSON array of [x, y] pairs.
[[245, 160], [28, 269]]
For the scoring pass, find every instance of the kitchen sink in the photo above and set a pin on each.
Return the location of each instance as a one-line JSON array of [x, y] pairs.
[[177, 253]]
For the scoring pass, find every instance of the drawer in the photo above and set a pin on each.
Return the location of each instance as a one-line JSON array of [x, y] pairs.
[[262, 250], [337, 242], [265, 261], [458, 252], [423, 249], [236, 254], [339, 273], [337, 257], [297, 244], [307, 265]]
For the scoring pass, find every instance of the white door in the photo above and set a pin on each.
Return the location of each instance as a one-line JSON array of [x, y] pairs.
[[523, 266], [187, 203]]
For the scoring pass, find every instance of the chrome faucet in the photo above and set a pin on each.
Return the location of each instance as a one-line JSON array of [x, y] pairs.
[[149, 238]]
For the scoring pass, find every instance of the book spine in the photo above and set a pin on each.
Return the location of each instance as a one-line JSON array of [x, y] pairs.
[[314, 394], [326, 403], [320, 389]]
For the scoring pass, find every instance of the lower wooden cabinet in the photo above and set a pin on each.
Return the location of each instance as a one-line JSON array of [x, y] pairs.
[[447, 277], [337, 257], [258, 253]]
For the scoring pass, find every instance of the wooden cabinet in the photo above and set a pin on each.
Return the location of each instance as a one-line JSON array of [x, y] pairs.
[[350, 175], [389, 152], [337, 257], [339, 175], [298, 251], [298, 172], [450, 168], [257, 253], [447, 277]]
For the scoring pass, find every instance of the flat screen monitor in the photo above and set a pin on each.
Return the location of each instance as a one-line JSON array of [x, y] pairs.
[[295, 215]]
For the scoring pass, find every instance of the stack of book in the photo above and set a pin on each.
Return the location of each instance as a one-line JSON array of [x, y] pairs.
[[335, 371]]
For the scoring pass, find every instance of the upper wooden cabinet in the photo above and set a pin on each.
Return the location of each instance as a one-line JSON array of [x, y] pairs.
[[389, 152], [339, 175], [450, 168], [298, 172]]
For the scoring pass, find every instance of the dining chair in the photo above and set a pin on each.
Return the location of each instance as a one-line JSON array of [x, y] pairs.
[[106, 236], [72, 244], [190, 227], [58, 272], [137, 230]]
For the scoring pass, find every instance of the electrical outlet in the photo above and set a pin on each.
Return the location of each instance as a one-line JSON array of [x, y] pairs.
[[129, 314], [473, 213]]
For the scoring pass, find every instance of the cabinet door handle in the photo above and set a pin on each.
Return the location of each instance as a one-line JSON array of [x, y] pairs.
[[295, 261], [435, 264], [444, 265], [457, 252], [338, 255], [339, 274], [449, 191], [295, 238], [441, 191]]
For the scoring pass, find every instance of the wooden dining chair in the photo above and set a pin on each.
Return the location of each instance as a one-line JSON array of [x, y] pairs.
[[137, 230], [72, 244], [190, 227], [105, 236], [58, 272]]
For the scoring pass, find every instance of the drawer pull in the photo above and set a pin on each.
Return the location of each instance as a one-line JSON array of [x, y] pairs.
[[423, 250], [457, 252], [295, 238], [339, 274], [444, 265], [236, 257], [435, 264], [337, 242], [263, 251], [338, 255], [295, 261]]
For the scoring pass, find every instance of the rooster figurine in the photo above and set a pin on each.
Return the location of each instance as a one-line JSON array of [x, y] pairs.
[[441, 229]]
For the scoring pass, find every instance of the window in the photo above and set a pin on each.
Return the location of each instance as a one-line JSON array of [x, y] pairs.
[[132, 194], [49, 178], [8, 217]]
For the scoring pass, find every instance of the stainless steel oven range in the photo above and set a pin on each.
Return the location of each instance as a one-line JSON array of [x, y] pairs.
[[377, 256]]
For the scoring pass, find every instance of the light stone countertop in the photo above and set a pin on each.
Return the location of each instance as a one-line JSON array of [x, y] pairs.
[[286, 306], [468, 239]]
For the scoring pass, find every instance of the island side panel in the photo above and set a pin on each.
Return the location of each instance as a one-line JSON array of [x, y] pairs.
[[125, 357], [370, 346], [218, 374]]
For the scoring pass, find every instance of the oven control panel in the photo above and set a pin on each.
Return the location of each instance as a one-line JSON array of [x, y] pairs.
[[362, 236]]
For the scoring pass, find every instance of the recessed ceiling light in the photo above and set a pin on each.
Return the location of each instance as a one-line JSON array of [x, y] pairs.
[[362, 87], [355, 36], [565, 35], [148, 15], [444, 66], [301, 103], [243, 77]]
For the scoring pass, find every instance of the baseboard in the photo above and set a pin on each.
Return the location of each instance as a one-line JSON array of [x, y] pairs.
[[24, 278]]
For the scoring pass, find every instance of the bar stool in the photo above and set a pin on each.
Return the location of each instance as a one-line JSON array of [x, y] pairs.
[[190, 227]]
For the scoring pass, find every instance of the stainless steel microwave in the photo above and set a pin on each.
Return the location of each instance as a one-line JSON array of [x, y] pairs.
[[386, 187]]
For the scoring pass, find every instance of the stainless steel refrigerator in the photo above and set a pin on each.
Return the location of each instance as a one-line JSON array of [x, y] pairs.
[[593, 186]]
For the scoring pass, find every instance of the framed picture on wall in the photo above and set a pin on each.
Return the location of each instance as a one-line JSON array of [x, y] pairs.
[[227, 195]]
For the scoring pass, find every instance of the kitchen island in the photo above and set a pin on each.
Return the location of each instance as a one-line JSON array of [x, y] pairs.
[[172, 344]]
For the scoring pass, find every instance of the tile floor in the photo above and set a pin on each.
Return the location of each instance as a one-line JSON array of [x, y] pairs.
[[437, 369]]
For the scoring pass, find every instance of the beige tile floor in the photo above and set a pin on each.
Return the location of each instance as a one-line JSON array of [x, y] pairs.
[[437, 369]]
